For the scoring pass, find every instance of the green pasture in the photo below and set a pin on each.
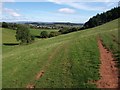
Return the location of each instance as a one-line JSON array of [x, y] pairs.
[[68, 61]]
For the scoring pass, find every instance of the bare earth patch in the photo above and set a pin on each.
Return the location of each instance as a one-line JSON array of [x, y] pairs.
[[108, 70], [39, 75]]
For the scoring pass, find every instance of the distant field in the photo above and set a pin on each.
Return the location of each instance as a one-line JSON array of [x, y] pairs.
[[36, 32], [9, 39], [70, 60], [8, 35]]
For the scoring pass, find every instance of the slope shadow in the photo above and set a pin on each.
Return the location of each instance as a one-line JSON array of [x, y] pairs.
[[10, 44], [37, 36]]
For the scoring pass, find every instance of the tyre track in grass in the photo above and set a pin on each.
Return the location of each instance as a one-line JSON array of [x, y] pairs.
[[108, 70], [45, 67]]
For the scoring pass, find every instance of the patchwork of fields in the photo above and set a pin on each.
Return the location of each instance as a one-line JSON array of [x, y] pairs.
[[66, 61]]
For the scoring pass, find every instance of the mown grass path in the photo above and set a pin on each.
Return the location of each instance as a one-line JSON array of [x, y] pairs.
[[44, 68]]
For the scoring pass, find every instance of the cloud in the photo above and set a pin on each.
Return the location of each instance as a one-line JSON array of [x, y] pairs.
[[72, 1], [66, 10], [13, 15], [85, 4], [8, 0], [11, 12]]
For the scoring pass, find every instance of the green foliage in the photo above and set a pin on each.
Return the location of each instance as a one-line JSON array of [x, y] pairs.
[[10, 25], [44, 34], [63, 30], [4, 25], [23, 34], [67, 30], [102, 18], [53, 34]]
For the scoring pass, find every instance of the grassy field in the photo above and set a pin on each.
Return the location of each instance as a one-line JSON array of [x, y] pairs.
[[8, 36], [70, 60], [36, 32]]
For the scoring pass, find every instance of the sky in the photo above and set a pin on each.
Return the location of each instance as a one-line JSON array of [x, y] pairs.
[[75, 11]]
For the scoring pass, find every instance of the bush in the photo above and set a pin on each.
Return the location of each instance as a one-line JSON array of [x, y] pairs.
[[67, 30], [4, 25], [63, 30], [53, 34], [44, 34]]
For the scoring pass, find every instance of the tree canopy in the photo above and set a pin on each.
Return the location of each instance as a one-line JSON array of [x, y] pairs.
[[103, 18], [23, 34]]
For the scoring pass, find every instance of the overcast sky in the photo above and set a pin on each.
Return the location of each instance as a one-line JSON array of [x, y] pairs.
[[76, 11]]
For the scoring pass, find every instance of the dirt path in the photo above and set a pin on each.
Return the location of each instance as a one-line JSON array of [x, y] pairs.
[[108, 70]]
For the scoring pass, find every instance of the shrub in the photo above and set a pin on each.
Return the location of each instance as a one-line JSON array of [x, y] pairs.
[[67, 30], [53, 34], [63, 30], [44, 34], [4, 25]]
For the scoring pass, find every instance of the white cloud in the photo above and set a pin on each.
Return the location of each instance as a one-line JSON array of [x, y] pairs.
[[8, 0], [85, 4], [11, 12], [66, 10]]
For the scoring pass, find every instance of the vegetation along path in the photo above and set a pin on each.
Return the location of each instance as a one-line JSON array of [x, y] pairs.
[[108, 69]]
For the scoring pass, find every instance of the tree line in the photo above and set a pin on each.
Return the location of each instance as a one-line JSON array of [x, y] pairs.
[[65, 30], [25, 37], [102, 18], [13, 26]]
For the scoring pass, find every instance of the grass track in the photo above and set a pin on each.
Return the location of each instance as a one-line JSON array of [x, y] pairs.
[[74, 63]]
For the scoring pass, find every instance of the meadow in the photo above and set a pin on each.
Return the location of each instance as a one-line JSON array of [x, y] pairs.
[[36, 32], [68, 61]]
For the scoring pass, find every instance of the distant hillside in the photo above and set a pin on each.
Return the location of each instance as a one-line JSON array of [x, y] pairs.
[[42, 25], [55, 24], [102, 18]]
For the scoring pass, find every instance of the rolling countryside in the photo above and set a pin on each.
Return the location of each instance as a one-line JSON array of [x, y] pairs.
[[66, 61]]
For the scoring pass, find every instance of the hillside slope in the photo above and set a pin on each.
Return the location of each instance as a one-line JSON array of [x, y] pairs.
[[70, 60]]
